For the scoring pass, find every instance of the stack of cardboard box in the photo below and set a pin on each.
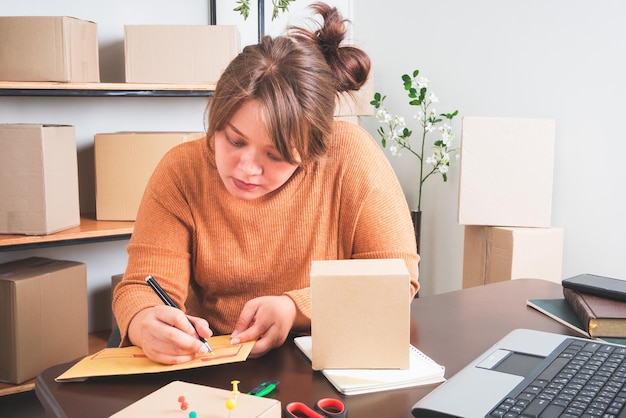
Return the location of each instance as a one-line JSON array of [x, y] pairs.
[[505, 200]]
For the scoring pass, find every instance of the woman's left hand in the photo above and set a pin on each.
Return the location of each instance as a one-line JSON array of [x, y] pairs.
[[266, 319]]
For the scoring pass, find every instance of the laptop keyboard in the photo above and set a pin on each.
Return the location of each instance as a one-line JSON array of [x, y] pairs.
[[587, 379]]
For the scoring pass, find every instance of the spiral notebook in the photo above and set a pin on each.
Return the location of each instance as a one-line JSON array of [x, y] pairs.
[[422, 371]]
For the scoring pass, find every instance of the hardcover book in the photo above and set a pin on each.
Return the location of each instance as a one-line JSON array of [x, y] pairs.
[[600, 316]]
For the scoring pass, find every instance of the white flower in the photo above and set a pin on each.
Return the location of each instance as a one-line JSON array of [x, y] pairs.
[[443, 169], [432, 98]]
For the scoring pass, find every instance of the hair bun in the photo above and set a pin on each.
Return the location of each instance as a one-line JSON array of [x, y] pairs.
[[349, 64]]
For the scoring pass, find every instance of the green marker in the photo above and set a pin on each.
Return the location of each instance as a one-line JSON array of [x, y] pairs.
[[264, 388]]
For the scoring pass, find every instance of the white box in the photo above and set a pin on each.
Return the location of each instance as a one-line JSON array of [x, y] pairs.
[[38, 179], [495, 254], [506, 172], [186, 54]]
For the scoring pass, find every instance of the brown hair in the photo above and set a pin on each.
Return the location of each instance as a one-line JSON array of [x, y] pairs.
[[295, 78]]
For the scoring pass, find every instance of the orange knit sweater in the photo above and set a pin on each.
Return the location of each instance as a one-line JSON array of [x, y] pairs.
[[212, 253]]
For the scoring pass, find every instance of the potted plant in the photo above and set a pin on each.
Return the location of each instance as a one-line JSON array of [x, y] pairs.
[[394, 133]]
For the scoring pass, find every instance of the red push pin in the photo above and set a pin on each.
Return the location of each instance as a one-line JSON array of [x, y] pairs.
[[183, 405]]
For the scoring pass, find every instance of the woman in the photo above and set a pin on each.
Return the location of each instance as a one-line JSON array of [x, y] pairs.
[[229, 225]]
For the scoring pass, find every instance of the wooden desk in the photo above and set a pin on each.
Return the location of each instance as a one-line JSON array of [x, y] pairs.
[[452, 328]]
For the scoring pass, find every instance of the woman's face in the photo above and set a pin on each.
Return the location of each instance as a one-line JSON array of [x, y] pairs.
[[247, 161]]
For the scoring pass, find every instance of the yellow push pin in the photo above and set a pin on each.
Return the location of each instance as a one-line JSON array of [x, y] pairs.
[[230, 405], [235, 384]]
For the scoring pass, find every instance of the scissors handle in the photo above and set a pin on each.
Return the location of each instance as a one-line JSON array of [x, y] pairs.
[[331, 408], [299, 410], [324, 408]]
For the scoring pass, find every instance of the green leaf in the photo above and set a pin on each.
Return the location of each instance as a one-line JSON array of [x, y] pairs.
[[415, 102], [406, 133], [423, 93], [415, 73], [450, 115], [383, 142], [243, 8], [445, 176]]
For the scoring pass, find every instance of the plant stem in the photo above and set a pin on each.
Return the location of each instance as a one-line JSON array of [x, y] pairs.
[[419, 198]]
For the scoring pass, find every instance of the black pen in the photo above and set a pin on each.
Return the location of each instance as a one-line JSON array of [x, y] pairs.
[[169, 302]]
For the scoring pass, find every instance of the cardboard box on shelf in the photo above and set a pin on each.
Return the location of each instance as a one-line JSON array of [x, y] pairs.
[[43, 316], [38, 179], [124, 162], [506, 172], [495, 254], [48, 48], [186, 54]]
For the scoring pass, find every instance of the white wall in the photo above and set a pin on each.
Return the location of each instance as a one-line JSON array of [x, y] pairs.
[[560, 59]]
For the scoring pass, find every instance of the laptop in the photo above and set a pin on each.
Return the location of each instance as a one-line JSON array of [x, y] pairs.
[[527, 357]]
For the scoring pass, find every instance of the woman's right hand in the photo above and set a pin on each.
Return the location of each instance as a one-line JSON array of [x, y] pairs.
[[166, 336]]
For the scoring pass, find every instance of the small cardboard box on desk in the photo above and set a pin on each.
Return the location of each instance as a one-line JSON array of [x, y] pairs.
[[43, 316], [48, 48], [38, 179], [124, 162], [204, 400], [360, 314]]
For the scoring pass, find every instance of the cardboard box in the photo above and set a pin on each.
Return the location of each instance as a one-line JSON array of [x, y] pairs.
[[360, 314], [43, 316], [124, 162], [202, 398], [48, 48], [356, 103], [38, 179], [495, 254], [506, 172], [188, 54]]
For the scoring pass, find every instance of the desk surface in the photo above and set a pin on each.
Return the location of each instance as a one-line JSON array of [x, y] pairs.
[[452, 328]]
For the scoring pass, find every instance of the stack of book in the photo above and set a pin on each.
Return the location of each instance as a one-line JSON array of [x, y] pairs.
[[594, 306]]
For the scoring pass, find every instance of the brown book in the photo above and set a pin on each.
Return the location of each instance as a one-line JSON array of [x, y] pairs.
[[601, 317]]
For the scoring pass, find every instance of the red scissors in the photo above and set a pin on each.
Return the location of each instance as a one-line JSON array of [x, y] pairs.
[[324, 408]]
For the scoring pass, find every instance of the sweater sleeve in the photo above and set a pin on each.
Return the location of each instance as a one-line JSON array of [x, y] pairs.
[[160, 246], [383, 227]]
